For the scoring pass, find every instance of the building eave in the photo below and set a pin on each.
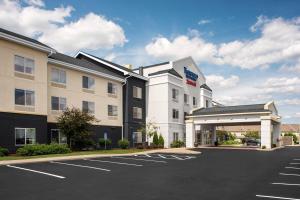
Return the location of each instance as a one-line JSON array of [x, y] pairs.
[[26, 43]]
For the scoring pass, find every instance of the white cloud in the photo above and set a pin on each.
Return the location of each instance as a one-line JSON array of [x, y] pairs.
[[281, 85], [51, 26], [110, 57], [182, 46], [204, 21], [278, 42], [291, 68], [217, 81], [38, 3], [294, 101]]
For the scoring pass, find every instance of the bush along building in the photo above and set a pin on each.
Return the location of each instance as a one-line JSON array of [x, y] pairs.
[[38, 83]]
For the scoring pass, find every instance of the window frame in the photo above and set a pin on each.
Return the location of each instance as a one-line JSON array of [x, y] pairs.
[[194, 101], [114, 88], [113, 111], [137, 92], [25, 136], [59, 136], [176, 93], [25, 65], [186, 99], [61, 74], [136, 114], [25, 97], [90, 83], [59, 103], [175, 114], [175, 136], [89, 103]]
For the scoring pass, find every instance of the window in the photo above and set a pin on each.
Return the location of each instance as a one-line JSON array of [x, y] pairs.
[[186, 99], [88, 82], [137, 92], [175, 114], [175, 93], [58, 76], [58, 103], [112, 111], [137, 137], [207, 103], [24, 65], [24, 136], [112, 88], [24, 97], [88, 107], [137, 113], [175, 136], [194, 101], [58, 137]]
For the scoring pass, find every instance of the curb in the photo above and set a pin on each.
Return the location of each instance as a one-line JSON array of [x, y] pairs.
[[76, 157]]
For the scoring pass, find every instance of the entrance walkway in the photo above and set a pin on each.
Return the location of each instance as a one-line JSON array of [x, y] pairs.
[[201, 123]]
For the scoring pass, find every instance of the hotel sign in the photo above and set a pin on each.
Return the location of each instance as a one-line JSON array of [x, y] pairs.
[[191, 77]]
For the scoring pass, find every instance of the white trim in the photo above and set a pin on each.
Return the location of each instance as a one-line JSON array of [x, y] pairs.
[[112, 66], [229, 114], [76, 67], [163, 74], [25, 42]]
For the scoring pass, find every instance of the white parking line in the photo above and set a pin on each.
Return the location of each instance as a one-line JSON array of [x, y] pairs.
[[159, 161], [177, 157], [294, 163], [39, 172], [161, 156], [284, 174], [119, 163], [292, 167], [288, 184], [147, 155], [83, 166], [274, 197], [296, 159]]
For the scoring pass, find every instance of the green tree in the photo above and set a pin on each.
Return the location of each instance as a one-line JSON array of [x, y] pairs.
[[252, 134], [161, 141], [75, 125], [155, 139]]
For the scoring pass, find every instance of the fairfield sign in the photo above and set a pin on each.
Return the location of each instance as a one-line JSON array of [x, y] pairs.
[[191, 77]]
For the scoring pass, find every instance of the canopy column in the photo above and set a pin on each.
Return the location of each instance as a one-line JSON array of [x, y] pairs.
[[190, 133], [266, 133]]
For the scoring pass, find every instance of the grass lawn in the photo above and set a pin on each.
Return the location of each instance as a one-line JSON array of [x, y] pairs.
[[75, 153]]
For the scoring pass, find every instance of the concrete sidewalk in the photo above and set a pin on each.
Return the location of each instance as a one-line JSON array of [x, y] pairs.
[[35, 160]]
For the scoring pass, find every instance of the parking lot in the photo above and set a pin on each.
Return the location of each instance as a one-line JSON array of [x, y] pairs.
[[214, 174]]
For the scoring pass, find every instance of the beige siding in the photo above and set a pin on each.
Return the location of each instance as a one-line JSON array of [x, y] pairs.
[[9, 81], [74, 94]]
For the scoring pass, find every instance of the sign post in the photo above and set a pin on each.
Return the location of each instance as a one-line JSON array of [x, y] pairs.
[[105, 138]]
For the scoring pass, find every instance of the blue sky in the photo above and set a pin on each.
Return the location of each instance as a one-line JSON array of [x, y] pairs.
[[249, 50]]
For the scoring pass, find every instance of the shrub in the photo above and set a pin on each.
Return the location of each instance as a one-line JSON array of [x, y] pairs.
[[230, 142], [43, 149], [161, 141], [102, 142], [123, 144], [177, 144], [3, 151], [263, 147], [155, 139], [295, 139], [252, 134], [274, 145]]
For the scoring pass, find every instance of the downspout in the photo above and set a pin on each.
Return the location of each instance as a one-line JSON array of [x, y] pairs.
[[126, 102]]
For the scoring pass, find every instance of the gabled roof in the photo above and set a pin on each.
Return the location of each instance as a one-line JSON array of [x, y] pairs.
[[231, 109], [205, 87], [169, 71], [115, 66], [64, 59], [24, 40]]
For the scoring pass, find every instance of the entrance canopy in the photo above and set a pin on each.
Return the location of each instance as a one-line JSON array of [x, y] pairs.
[[265, 115]]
